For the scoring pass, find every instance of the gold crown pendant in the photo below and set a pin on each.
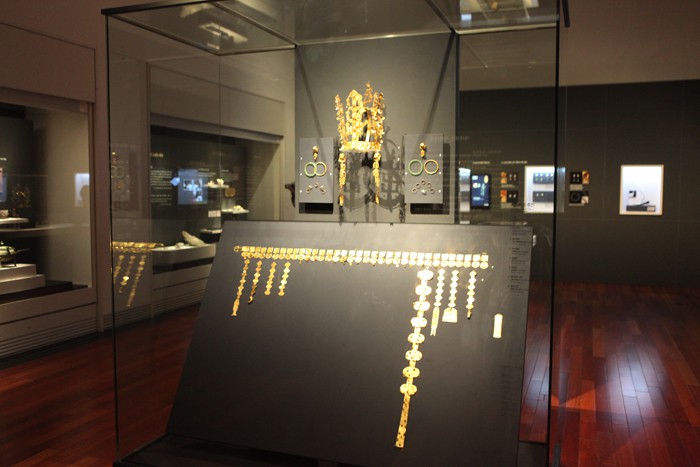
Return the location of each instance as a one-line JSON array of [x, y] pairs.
[[361, 129]]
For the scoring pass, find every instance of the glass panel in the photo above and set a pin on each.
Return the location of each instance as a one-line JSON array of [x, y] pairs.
[[507, 135], [207, 27], [374, 118], [165, 195], [477, 15], [322, 20], [45, 222]]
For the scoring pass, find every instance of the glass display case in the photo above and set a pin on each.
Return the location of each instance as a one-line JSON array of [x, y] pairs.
[[46, 255], [357, 173]]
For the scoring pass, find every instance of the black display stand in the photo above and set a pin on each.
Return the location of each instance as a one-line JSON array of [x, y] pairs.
[[315, 373]]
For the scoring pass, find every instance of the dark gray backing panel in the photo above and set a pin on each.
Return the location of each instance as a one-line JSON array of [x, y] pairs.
[[421, 186], [315, 178], [317, 372]]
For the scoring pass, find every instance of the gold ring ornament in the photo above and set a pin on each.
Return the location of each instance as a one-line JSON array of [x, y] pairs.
[[431, 172]]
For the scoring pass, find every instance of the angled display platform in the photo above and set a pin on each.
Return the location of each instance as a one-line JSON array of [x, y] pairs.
[[315, 340]]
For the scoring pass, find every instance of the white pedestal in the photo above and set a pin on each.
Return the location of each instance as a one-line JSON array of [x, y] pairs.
[[20, 278]]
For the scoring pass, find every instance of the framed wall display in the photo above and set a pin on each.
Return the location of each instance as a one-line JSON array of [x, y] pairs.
[[539, 189], [641, 190], [578, 196]]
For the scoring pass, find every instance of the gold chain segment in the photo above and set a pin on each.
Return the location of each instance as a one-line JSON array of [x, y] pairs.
[[373, 257]]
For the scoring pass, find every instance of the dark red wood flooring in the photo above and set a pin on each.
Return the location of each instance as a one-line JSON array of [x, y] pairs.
[[626, 365]]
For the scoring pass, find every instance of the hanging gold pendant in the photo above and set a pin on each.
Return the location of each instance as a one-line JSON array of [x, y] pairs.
[[256, 278], [135, 283], [416, 338], [470, 293], [241, 285], [270, 278], [450, 313], [438, 302], [283, 281]]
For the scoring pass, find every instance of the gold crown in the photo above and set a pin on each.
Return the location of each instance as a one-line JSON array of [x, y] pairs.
[[361, 123]]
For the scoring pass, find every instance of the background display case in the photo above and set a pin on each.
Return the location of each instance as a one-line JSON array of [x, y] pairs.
[[226, 112], [46, 255]]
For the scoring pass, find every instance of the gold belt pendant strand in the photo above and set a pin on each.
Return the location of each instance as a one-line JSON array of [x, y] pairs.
[[256, 278], [117, 268], [125, 278], [450, 313], [270, 278], [241, 286], [438, 302], [283, 281], [135, 283], [416, 338], [470, 293]]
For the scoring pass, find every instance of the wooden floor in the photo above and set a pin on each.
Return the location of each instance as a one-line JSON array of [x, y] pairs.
[[625, 381], [626, 391], [57, 408]]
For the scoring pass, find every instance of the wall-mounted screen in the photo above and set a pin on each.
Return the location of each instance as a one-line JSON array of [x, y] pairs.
[[3, 186], [480, 195], [641, 189], [192, 187]]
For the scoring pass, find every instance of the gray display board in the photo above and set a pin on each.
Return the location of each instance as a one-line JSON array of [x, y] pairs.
[[315, 175], [423, 174], [316, 371]]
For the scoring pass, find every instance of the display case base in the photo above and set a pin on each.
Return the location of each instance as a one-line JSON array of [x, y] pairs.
[[181, 450]]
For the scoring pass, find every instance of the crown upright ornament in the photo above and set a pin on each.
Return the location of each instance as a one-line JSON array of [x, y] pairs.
[[361, 129]]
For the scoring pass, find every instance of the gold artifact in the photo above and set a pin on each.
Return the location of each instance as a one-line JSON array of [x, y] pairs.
[[417, 166], [135, 283], [241, 285], [270, 278], [132, 249], [315, 168], [375, 258], [438, 302], [256, 278], [414, 355], [470, 293], [450, 313], [361, 130], [285, 275]]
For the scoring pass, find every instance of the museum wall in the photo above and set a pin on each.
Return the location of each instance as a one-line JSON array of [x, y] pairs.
[[600, 128], [604, 127], [629, 42]]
